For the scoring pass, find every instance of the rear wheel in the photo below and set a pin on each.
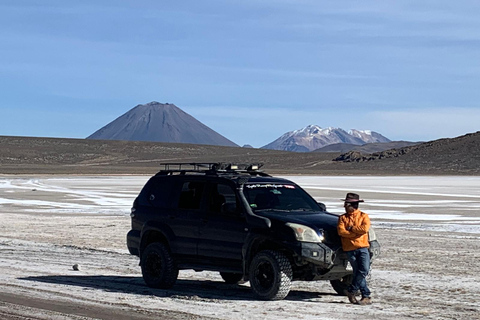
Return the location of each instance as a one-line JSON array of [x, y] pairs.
[[231, 278], [270, 275], [158, 267], [341, 285]]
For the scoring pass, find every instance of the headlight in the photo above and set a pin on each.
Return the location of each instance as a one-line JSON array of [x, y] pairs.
[[305, 234]]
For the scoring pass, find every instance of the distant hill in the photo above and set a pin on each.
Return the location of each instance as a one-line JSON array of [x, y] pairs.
[[366, 148], [450, 156], [314, 137], [29, 155], [37, 155], [159, 122]]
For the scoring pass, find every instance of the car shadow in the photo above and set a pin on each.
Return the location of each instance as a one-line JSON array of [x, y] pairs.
[[183, 289]]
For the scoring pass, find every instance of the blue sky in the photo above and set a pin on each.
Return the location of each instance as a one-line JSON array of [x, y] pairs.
[[251, 70]]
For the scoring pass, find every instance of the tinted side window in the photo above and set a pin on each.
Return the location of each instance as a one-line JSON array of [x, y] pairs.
[[191, 195], [156, 193], [223, 199]]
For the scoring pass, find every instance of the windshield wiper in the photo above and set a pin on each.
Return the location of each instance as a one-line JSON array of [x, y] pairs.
[[271, 209]]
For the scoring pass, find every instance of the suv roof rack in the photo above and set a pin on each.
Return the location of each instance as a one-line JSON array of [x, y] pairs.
[[212, 168]]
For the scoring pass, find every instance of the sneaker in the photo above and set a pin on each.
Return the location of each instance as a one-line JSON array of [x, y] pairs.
[[352, 298], [364, 301]]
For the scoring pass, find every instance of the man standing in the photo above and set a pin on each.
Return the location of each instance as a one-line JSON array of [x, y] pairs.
[[353, 229]]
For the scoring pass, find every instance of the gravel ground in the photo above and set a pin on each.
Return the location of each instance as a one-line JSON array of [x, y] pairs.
[[428, 268]]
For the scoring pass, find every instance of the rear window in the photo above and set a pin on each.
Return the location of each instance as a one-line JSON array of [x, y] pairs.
[[157, 193]]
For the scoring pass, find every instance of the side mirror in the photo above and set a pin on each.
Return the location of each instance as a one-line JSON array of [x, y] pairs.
[[322, 206]]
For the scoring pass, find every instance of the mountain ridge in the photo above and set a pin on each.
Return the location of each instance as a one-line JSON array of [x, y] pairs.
[[448, 155]]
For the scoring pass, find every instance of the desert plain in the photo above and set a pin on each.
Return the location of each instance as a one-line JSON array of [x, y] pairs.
[[428, 227]]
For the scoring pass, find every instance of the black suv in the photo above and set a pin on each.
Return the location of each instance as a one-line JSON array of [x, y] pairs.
[[239, 221]]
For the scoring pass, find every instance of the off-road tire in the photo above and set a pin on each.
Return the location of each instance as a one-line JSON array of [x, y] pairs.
[[231, 278], [270, 275], [158, 266], [341, 285]]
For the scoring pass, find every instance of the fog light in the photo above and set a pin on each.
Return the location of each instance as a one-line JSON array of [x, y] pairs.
[[314, 253]]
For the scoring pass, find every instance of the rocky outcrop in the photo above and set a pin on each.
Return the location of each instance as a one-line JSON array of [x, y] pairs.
[[356, 156]]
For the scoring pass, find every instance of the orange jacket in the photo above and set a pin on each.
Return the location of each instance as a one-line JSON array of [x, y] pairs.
[[357, 236]]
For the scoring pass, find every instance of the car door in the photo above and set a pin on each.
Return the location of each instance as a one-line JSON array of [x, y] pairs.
[[187, 216], [224, 228]]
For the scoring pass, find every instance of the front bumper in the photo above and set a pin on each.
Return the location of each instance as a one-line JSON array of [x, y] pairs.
[[320, 262], [318, 254]]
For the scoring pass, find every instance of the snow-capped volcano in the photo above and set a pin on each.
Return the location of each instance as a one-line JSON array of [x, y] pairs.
[[313, 137], [368, 136]]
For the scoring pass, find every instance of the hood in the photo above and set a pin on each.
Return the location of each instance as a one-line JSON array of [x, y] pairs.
[[320, 220]]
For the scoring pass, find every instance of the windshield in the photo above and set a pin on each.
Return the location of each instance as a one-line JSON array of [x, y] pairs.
[[288, 197]]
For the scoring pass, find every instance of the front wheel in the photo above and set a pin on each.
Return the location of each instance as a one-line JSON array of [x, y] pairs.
[[158, 267], [270, 275], [341, 285]]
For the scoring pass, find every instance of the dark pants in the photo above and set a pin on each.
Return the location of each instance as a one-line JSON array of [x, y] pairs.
[[360, 261]]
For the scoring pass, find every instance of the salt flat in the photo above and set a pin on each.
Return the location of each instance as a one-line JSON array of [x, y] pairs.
[[449, 203], [429, 228]]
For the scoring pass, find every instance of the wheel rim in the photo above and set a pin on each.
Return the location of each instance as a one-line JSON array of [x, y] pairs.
[[264, 275], [154, 265]]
